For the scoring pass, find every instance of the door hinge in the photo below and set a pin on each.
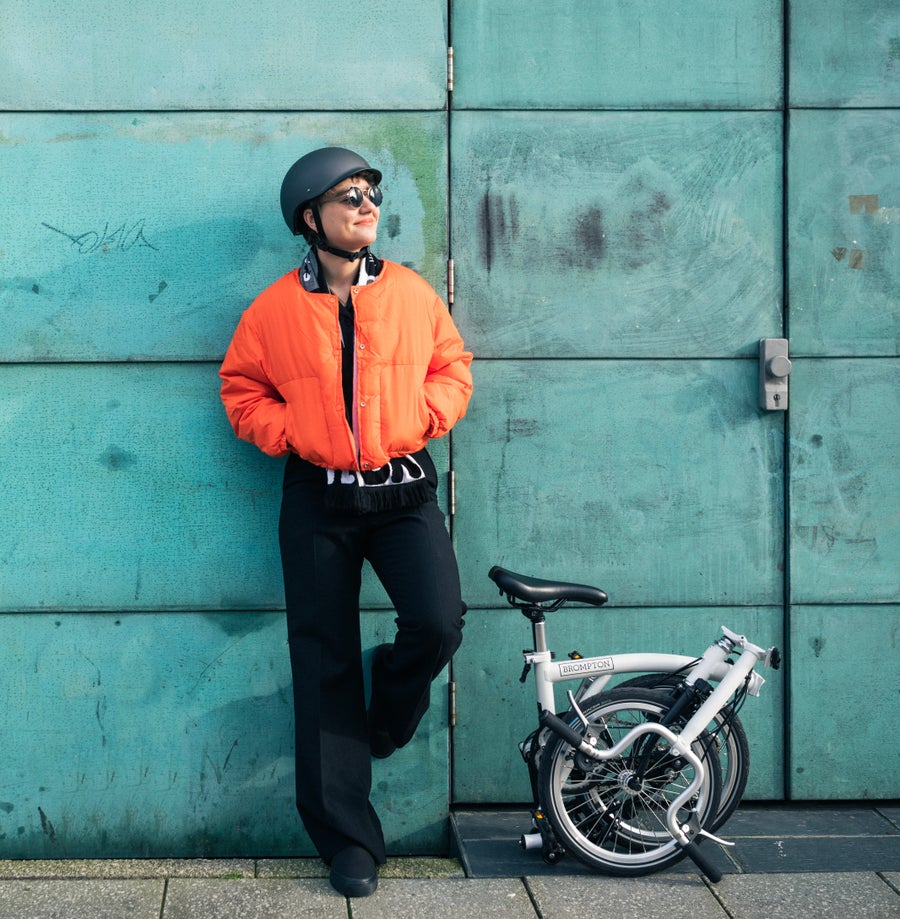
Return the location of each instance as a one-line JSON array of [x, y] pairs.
[[451, 488], [451, 281], [452, 698], [450, 69]]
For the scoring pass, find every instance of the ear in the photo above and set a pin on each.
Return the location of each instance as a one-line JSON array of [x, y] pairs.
[[308, 219]]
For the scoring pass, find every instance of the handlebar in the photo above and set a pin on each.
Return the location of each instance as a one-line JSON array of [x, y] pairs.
[[698, 857]]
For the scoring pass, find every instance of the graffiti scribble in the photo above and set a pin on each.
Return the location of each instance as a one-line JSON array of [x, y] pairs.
[[121, 239]]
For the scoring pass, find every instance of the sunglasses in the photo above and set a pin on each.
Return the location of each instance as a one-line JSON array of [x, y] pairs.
[[353, 197]]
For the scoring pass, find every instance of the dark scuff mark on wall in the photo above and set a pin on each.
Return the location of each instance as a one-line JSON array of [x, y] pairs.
[[116, 459], [160, 288], [487, 217], [498, 221], [589, 238], [644, 229], [47, 826]]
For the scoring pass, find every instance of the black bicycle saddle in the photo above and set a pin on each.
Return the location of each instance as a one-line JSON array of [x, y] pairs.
[[536, 590]]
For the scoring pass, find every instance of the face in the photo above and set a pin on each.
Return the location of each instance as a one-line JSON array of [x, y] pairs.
[[347, 227]]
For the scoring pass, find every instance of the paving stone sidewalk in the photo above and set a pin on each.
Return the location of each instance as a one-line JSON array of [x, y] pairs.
[[791, 862]]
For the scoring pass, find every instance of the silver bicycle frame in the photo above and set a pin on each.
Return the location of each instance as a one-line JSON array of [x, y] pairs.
[[600, 670]]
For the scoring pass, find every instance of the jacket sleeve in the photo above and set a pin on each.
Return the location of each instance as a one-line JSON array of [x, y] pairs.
[[448, 382], [253, 404]]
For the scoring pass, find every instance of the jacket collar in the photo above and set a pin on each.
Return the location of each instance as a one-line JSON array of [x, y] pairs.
[[313, 281]]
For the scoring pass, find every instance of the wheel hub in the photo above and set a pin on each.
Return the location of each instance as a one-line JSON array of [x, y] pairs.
[[630, 782]]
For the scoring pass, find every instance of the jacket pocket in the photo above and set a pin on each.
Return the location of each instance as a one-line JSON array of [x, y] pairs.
[[305, 425], [405, 416]]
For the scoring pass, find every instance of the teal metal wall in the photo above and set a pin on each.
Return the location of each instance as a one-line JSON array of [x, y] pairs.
[[632, 197]]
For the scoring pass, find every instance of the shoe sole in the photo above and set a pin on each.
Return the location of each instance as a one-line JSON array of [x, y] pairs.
[[354, 887]]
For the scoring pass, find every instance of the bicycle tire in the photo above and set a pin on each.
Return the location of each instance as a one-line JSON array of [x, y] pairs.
[[596, 816], [731, 741]]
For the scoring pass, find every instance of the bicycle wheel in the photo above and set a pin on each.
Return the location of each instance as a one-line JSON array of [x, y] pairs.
[[727, 734], [612, 815]]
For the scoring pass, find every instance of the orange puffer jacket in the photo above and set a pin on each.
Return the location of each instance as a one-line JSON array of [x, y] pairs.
[[281, 377]]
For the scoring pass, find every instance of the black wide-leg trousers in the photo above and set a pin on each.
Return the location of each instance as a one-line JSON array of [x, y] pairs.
[[322, 552]]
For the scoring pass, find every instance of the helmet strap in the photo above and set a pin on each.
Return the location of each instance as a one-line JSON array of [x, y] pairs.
[[321, 242]]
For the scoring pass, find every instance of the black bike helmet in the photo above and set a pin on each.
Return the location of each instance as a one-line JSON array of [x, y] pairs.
[[311, 176]]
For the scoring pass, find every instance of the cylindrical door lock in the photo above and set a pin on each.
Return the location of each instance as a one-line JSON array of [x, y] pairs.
[[774, 370]]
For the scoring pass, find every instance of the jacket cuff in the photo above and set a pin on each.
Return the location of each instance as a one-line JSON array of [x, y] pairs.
[[435, 426]]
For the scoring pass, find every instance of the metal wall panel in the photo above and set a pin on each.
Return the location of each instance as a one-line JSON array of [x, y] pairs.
[[601, 235], [845, 54], [845, 482], [844, 307], [660, 480], [498, 711], [617, 54], [217, 54], [143, 237], [133, 735], [844, 232], [617, 234], [843, 702], [125, 488]]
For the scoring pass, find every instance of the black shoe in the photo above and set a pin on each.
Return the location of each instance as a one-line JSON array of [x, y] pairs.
[[353, 872], [381, 745]]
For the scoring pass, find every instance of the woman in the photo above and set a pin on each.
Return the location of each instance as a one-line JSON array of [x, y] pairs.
[[349, 366]]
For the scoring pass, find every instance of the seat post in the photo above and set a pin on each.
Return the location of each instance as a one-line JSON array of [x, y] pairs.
[[539, 631]]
